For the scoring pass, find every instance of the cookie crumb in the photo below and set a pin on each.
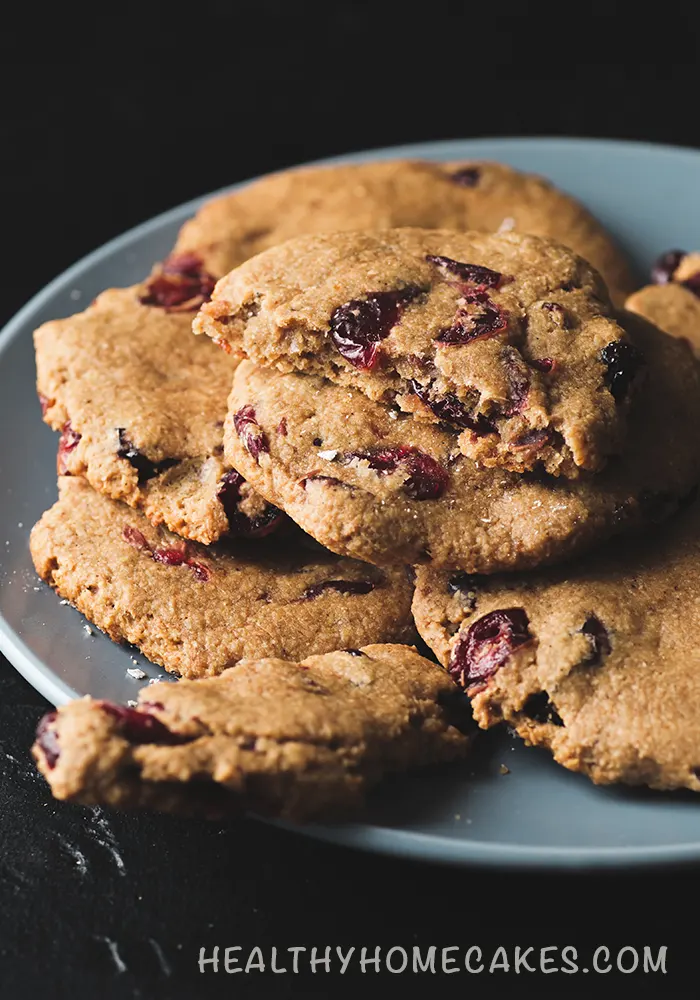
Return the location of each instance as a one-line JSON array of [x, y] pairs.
[[88, 630], [64, 602], [503, 769], [131, 703], [137, 673]]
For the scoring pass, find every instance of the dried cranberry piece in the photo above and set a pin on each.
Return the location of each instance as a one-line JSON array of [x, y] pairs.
[[473, 274], [464, 585], [426, 480], [533, 438], [134, 537], [488, 320], [47, 738], [487, 644], [598, 637], [199, 570], [166, 556], [67, 442], [358, 326], [170, 557], [518, 380], [250, 432], [545, 365], [180, 284], [282, 427], [466, 176], [450, 409], [145, 468], [623, 361], [45, 403], [539, 708], [341, 586], [663, 268], [142, 727], [229, 494]]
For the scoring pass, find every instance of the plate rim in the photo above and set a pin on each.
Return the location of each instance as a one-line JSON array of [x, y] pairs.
[[405, 844]]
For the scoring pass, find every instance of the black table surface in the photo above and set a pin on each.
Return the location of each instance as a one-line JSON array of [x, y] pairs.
[[110, 119]]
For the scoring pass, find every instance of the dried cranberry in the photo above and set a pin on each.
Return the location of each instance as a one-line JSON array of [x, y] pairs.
[[67, 442], [464, 586], [466, 176], [180, 284], [472, 274], [167, 556], [450, 409], [358, 326], [250, 432], [663, 268], [229, 494], [488, 320], [545, 365], [623, 361], [45, 403], [533, 438], [598, 637], [426, 480], [487, 644], [145, 468], [518, 381], [199, 570], [341, 586], [134, 537], [282, 427], [47, 738], [142, 727], [170, 557]]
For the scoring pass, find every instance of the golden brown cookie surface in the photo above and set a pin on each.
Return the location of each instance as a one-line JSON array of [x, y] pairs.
[[385, 195], [296, 739], [508, 338], [196, 609]]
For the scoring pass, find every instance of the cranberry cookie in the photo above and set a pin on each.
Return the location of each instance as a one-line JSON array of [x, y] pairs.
[[474, 195], [673, 301], [509, 339], [140, 406], [301, 740], [371, 482], [198, 610], [599, 661]]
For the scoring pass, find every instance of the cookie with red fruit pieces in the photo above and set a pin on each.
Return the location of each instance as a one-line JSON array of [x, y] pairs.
[[195, 609], [475, 195], [508, 339], [139, 403], [371, 482], [597, 661], [300, 739]]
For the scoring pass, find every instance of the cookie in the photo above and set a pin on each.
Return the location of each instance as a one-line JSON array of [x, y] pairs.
[[301, 740], [598, 661], [140, 404], [373, 483], [473, 195], [197, 610], [673, 302], [509, 339]]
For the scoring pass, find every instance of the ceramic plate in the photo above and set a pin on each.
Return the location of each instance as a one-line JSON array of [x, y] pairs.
[[537, 814]]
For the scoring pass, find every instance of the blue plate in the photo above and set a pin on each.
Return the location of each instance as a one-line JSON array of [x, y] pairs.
[[536, 815]]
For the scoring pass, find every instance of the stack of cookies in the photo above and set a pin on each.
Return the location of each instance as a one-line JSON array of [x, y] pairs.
[[424, 408]]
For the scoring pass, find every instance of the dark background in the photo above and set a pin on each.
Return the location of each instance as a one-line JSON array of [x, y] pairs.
[[113, 116]]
